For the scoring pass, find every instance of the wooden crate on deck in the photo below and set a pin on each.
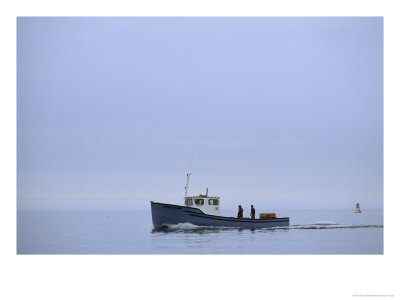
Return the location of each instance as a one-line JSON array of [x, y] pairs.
[[268, 216]]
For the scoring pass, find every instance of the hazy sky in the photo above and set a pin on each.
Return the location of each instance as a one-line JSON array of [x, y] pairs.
[[280, 112]]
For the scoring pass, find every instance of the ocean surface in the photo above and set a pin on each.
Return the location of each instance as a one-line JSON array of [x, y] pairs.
[[131, 232]]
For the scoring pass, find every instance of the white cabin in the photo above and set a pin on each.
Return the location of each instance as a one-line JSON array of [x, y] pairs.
[[207, 204]]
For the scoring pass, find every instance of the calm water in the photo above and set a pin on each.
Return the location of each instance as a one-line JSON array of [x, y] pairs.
[[131, 232]]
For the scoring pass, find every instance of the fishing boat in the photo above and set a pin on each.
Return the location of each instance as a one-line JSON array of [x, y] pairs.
[[357, 211], [204, 210]]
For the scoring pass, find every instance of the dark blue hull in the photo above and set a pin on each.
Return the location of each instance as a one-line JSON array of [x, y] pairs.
[[169, 214]]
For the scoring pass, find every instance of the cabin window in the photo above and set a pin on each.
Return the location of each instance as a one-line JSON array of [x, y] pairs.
[[189, 201], [212, 201], [199, 201]]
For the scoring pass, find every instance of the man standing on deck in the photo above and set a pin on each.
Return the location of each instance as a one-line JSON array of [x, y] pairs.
[[240, 212], [252, 212]]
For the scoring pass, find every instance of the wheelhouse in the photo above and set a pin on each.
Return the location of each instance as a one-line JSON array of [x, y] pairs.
[[207, 204]]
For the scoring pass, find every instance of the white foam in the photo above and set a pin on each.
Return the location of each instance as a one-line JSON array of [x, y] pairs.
[[183, 226], [332, 226], [191, 227]]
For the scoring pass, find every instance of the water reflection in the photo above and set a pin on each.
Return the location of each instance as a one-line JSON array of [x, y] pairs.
[[166, 229], [198, 230]]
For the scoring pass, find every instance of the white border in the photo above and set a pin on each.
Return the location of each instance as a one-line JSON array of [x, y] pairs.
[[137, 276]]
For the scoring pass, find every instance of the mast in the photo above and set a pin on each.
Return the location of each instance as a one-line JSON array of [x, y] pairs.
[[189, 173], [187, 183]]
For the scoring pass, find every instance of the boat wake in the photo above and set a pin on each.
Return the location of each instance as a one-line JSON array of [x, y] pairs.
[[324, 225], [331, 225], [321, 225], [188, 227]]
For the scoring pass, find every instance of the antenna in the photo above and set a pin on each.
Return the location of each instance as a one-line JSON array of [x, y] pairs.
[[191, 160]]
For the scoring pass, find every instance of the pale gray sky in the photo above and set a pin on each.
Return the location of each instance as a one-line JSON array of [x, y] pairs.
[[281, 112]]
